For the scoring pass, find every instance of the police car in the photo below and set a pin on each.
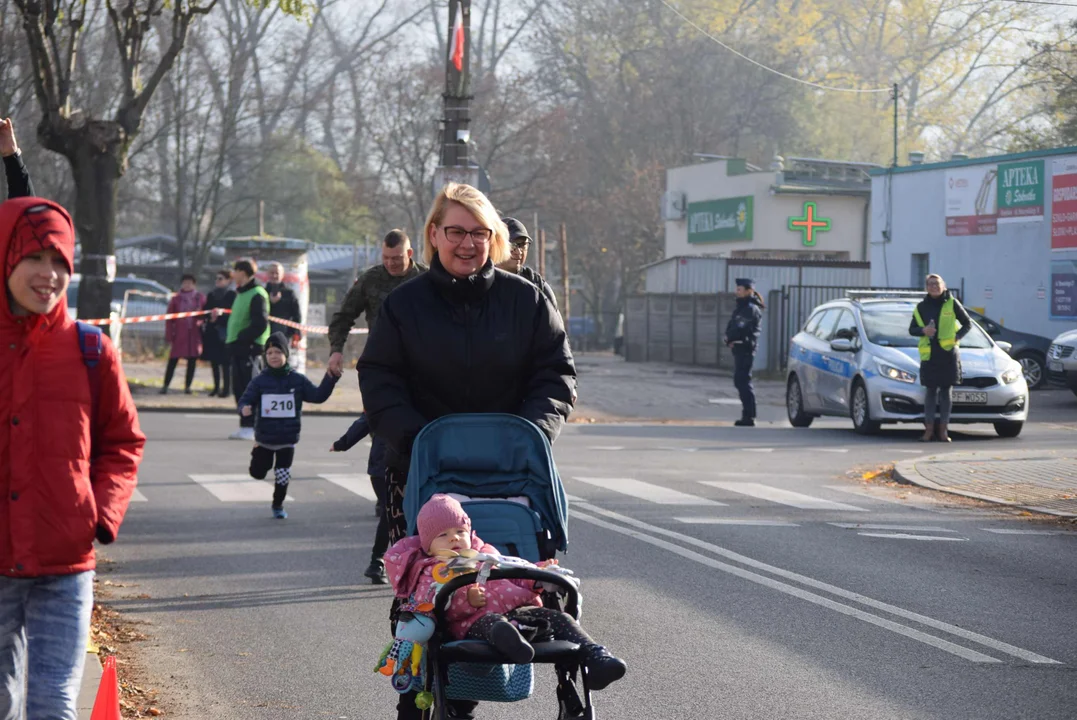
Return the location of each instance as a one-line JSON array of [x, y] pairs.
[[855, 358]]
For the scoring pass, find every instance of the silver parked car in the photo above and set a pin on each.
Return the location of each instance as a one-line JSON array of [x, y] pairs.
[[855, 358]]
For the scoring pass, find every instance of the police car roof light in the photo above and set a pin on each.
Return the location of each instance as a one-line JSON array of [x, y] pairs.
[[880, 294]]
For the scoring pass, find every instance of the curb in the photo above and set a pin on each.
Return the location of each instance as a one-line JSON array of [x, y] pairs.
[[91, 680], [906, 472]]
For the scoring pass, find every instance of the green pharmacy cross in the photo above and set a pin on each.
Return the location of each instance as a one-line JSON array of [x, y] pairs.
[[809, 224]]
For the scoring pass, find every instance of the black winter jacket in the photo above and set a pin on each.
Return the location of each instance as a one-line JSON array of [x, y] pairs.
[[287, 308], [289, 390], [743, 327], [486, 344], [538, 281]]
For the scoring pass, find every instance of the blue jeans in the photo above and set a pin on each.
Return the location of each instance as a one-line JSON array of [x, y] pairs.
[[44, 627]]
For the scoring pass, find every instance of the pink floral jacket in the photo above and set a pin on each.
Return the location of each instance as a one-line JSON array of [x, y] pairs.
[[410, 571]]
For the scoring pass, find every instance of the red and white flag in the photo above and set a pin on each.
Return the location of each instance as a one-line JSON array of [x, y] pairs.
[[456, 49]]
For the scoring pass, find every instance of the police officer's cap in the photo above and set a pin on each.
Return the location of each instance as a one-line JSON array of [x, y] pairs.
[[746, 283]]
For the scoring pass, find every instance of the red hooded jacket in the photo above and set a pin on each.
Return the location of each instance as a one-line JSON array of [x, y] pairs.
[[53, 500]]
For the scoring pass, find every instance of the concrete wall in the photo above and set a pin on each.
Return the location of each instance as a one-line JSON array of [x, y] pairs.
[[1006, 274], [710, 181]]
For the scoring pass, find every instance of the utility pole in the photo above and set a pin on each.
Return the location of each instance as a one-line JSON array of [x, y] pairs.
[[455, 133], [542, 253], [564, 274], [894, 95]]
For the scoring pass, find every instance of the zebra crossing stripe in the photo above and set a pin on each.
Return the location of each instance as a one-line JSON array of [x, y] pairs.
[[237, 488], [647, 491], [357, 484], [782, 497], [137, 496]]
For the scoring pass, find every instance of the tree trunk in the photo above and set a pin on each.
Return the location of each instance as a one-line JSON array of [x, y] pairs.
[[97, 168]]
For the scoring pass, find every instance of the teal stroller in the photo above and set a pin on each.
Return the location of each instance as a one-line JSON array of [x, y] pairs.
[[501, 469]]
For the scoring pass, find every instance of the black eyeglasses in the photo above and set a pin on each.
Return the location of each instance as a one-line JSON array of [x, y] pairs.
[[521, 244], [456, 234]]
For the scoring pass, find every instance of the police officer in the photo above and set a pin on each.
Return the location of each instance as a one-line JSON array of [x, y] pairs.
[[742, 335]]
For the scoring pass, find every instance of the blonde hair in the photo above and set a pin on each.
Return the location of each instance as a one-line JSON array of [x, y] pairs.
[[933, 276], [478, 205]]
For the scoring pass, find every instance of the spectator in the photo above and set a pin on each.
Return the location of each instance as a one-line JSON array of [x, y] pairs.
[[283, 304], [70, 448], [184, 334], [215, 331], [248, 330]]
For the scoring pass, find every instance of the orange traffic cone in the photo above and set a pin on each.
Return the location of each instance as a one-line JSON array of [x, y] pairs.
[[106, 705]]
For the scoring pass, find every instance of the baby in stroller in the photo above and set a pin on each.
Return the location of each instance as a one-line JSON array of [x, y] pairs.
[[505, 613]]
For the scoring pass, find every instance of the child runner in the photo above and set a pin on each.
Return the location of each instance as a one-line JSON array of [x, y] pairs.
[[376, 470], [275, 398], [494, 612], [70, 448]]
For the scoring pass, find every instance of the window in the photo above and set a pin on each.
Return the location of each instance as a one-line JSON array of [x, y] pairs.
[[813, 322], [845, 327], [921, 266], [826, 324]]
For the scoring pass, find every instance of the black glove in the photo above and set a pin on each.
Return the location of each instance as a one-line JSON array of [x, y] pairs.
[[104, 535]]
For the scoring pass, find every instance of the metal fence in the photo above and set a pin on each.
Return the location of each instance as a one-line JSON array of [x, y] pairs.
[[683, 329]]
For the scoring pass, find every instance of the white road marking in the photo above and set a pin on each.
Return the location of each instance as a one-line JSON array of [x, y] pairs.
[[783, 497], [613, 448], [833, 450], [1000, 531], [646, 491], [909, 528], [762, 450], [672, 448], [724, 401], [139, 497], [211, 416], [236, 488], [804, 580], [911, 452], [907, 536], [768, 475], [574, 498], [811, 597], [733, 521], [358, 484]]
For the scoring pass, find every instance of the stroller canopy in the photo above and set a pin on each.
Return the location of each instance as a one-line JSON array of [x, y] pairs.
[[487, 455]]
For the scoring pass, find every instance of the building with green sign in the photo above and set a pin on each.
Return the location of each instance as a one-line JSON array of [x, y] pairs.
[[798, 210], [1002, 229]]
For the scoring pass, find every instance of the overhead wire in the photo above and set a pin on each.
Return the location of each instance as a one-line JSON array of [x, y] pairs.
[[809, 83]]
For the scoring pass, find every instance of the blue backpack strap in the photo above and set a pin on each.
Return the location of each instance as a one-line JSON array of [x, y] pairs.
[[90, 345]]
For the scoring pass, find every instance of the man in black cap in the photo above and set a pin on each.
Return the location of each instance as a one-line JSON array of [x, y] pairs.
[[521, 241], [742, 336]]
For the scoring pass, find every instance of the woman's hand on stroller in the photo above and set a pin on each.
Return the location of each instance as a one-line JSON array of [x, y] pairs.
[[476, 596]]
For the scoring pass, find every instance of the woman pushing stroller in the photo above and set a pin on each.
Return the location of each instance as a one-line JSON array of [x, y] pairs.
[[464, 337], [495, 611]]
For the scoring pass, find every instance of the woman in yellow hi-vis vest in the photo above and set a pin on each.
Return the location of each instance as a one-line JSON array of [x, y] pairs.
[[940, 322]]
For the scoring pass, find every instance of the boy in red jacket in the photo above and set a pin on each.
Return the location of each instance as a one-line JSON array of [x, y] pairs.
[[68, 465]]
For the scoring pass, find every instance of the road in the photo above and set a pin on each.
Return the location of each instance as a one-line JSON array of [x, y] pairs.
[[740, 572]]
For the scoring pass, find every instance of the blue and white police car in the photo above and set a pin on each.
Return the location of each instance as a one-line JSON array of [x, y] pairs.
[[855, 358]]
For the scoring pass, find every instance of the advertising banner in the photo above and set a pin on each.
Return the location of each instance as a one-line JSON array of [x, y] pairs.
[[1064, 204], [971, 200], [1064, 289], [1020, 191], [720, 220]]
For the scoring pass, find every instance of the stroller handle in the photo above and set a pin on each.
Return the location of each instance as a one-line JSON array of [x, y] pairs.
[[516, 573]]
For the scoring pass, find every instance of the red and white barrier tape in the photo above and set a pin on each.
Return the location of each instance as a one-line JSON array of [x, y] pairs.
[[314, 329]]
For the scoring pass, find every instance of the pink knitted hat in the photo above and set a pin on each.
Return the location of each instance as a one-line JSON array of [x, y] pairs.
[[440, 513]]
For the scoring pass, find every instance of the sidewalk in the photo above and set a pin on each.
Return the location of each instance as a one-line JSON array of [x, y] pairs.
[[610, 390], [1039, 480]]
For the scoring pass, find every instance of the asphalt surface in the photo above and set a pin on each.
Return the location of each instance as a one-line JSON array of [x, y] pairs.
[[787, 588]]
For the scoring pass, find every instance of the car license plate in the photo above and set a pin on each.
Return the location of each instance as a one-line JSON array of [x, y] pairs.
[[970, 398], [1054, 365]]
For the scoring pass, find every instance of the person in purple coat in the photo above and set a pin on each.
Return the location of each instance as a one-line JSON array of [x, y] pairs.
[[184, 334]]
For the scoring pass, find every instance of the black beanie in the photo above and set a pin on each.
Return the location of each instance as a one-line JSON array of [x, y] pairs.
[[277, 340]]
